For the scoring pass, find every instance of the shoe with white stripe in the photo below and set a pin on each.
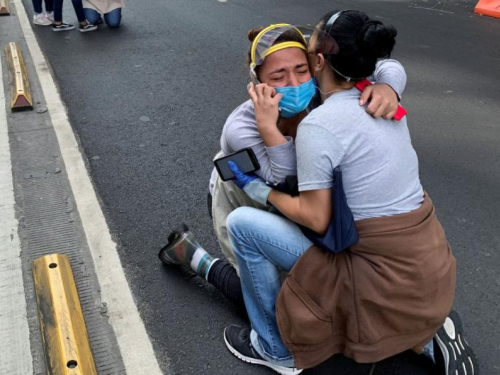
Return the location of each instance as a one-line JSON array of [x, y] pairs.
[[62, 27], [87, 27], [50, 16], [454, 356], [238, 342], [41, 20]]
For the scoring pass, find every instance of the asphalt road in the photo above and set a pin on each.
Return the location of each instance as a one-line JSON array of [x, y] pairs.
[[148, 102]]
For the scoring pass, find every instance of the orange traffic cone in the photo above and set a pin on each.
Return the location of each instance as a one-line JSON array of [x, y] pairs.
[[488, 8]]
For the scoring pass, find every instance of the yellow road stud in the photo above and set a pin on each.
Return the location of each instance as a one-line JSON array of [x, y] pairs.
[[64, 335], [20, 92], [4, 8]]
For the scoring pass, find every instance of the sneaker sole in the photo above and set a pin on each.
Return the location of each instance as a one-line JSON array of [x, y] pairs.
[[279, 369], [457, 354], [88, 29], [59, 30]]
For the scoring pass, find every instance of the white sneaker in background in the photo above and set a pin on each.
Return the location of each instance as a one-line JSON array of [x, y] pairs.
[[40, 19], [50, 16]]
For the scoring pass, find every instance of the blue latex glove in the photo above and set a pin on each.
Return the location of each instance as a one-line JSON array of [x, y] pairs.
[[242, 179], [252, 185]]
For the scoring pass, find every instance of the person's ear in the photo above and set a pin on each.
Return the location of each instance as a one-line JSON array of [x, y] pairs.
[[320, 62]]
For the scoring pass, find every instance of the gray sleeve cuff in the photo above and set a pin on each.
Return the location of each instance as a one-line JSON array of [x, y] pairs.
[[283, 159], [392, 73], [315, 185]]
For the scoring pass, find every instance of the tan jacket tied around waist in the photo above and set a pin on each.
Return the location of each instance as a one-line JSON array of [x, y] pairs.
[[103, 6], [388, 293]]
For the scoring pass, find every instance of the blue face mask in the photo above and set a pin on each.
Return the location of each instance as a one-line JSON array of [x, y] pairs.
[[295, 99]]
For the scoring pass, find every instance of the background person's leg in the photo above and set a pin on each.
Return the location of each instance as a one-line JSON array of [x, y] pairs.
[[37, 6], [263, 244], [113, 18], [49, 6], [58, 24], [39, 18], [58, 5], [91, 15], [80, 14]]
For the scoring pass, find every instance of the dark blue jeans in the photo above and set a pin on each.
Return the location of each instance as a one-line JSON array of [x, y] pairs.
[[112, 18], [77, 5], [37, 6]]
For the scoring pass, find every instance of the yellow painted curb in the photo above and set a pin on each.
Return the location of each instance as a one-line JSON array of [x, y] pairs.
[[4, 8], [65, 340], [20, 92]]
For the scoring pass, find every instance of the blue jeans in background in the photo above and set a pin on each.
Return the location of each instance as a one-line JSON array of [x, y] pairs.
[[264, 244], [37, 6], [77, 5], [112, 18]]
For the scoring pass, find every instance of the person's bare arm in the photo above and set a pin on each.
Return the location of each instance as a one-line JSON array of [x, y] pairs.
[[312, 209]]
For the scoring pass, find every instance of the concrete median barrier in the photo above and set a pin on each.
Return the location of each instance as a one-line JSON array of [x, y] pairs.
[[4, 8], [20, 91], [64, 335]]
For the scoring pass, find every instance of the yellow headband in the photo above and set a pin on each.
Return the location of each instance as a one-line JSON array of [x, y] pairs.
[[276, 47]]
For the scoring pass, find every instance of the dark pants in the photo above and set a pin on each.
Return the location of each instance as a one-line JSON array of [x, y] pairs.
[[112, 18], [37, 6], [77, 5]]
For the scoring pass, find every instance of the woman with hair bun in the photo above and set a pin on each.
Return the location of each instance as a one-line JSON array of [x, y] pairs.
[[391, 291]]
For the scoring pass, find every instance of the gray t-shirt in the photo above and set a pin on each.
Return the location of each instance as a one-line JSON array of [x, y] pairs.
[[379, 165], [240, 130]]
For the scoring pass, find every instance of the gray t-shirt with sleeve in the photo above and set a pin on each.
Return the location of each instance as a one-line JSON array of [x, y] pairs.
[[379, 165], [240, 130]]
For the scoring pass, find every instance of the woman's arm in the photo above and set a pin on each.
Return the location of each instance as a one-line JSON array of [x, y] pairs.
[[266, 101], [312, 209], [383, 96], [392, 73], [240, 131], [319, 152]]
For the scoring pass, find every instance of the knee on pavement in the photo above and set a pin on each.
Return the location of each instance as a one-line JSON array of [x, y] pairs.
[[113, 24]]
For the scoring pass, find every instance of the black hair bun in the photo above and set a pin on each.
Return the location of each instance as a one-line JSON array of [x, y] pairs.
[[376, 38]]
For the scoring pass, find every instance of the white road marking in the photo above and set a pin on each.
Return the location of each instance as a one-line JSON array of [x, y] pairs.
[[135, 346], [15, 352]]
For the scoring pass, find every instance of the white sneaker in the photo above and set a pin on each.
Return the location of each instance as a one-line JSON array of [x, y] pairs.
[[40, 19], [50, 16]]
